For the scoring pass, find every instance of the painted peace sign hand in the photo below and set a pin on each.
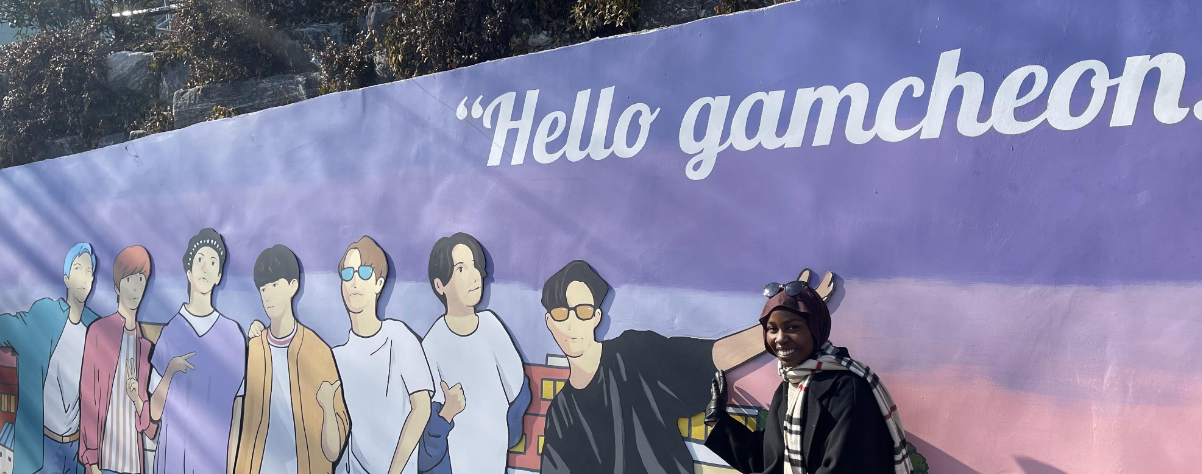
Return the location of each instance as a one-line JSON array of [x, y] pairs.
[[131, 382], [133, 387]]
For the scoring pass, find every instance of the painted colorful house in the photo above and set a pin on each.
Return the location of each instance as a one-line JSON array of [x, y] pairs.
[[8, 386], [694, 432], [7, 433], [546, 380]]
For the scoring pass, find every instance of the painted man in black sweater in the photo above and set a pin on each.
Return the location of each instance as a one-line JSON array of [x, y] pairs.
[[618, 412]]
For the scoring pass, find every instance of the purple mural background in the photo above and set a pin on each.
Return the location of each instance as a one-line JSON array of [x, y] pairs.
[[1032, 300]]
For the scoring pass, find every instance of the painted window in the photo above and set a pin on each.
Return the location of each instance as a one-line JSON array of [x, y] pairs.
[[694, 427], [551, 387]]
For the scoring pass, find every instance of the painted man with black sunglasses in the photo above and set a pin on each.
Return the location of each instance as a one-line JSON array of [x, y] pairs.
[[619, 410]]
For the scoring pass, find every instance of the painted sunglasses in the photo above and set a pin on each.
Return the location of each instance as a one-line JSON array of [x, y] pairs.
[[792, 288], [584, 312], [364, 271]]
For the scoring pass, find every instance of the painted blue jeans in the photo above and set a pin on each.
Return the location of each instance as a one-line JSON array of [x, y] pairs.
[[59, 458]]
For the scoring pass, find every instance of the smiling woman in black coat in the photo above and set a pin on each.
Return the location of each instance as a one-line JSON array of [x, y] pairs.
[[842, 428]]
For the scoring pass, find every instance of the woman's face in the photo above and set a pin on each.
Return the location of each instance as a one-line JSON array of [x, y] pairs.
[[788, 334]]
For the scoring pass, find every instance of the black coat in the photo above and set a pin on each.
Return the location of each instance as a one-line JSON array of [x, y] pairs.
[[844, 432]]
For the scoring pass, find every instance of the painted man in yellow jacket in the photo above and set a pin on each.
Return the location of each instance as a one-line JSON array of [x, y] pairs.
[[294, 418]]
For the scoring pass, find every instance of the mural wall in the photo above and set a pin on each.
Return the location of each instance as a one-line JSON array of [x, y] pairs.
[[537, 264]]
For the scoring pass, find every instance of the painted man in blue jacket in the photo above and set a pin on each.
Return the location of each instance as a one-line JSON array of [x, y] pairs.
[[48, 340]]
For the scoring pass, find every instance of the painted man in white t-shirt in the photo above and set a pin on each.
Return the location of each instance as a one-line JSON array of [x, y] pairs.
[[385, 379], [474, 349]]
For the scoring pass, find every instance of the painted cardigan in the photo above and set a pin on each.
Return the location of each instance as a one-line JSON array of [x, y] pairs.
[[100, 352], [310, 362]]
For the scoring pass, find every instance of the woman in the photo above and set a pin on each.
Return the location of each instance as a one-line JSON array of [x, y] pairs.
[[830, 415]]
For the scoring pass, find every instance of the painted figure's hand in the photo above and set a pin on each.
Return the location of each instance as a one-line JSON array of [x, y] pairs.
[[717, 407], [454, 403], [181, 364], [256, 328], [131, 385], [94, 469], [325, 395]]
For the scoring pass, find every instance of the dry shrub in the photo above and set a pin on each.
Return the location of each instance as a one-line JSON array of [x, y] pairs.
[[543, 14], [732, 6], [300, 12], [223, 43], [428, 36], [345, 67], [221, 112], [605, 17], [157, 119], [53, 87]]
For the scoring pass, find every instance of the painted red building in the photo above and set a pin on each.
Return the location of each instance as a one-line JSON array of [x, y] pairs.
[[546, 380], [8, 387]]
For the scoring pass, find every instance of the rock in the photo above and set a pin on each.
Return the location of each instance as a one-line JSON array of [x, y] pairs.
[[110, 140], [314, 36], [539, 40], [377, 14], [173, 77], [660, 13], [128, 71], [195, 105], [292, 52], [66, 146], [136, 134], [384, 72]]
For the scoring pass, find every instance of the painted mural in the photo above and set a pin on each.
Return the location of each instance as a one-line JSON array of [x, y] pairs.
[[430, 277]]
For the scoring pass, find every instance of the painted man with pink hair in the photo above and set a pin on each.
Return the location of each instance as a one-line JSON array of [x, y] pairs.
[[114, 402]]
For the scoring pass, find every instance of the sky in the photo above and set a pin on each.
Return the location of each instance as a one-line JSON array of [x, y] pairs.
[[6, 34]]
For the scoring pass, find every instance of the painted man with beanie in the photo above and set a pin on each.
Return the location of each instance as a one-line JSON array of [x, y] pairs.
[[199, 373]]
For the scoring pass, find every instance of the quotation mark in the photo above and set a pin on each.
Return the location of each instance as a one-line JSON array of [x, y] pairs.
[[477, 110]]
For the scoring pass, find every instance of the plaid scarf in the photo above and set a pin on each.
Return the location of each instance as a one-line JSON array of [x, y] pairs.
[[830, 357]]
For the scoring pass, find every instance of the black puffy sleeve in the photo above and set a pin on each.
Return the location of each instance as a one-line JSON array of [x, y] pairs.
[[743, 449]]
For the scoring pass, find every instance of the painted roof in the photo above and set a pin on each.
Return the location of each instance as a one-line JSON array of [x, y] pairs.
[[7, 433]]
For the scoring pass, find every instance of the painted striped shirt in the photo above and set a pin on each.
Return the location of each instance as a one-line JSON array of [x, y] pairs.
[[119, 452]]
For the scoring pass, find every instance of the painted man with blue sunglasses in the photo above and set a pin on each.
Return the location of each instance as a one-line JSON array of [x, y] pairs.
[[385, 378]]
